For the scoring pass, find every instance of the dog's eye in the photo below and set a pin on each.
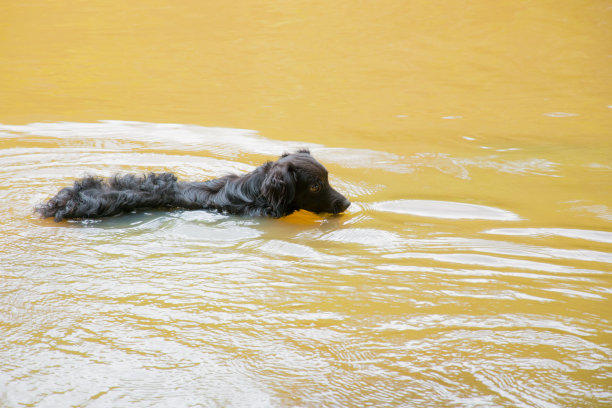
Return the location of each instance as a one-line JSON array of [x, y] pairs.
[[315, 188]]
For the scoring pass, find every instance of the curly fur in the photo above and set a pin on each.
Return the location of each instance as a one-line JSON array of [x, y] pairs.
[[275, 189]]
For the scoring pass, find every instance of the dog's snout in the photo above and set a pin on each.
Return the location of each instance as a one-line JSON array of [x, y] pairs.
[[341, 205]]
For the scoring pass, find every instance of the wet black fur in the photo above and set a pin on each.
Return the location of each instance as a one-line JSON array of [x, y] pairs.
[[275, 189]]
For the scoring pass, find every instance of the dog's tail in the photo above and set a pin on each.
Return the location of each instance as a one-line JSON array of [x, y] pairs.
[[92, 197]]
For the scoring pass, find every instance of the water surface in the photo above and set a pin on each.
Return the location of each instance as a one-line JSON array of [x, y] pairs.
[[473, 268]]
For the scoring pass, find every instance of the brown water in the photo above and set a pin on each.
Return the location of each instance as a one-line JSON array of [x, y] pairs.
[[473, 268]]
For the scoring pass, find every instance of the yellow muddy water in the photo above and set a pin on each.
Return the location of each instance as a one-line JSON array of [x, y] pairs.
[[473, 268]]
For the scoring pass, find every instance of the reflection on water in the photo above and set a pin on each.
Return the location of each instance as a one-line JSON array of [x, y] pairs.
[[398, 302], [597, 236], [442, 209]]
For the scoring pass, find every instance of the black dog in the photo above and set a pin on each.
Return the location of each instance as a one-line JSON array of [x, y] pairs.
[[275, 189]]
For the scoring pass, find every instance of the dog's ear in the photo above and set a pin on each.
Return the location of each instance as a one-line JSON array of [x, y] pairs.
[[278, 189]]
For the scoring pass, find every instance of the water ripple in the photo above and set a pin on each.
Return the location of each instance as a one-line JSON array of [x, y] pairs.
[[368, 308], [445, 209], [591, 235]]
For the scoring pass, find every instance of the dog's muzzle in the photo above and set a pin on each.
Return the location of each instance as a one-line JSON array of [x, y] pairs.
[[340, 205]]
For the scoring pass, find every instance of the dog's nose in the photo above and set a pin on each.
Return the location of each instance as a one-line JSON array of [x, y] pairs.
[[341, 205]]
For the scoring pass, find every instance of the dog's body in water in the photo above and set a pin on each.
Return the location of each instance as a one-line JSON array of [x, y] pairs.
[[275, 189]]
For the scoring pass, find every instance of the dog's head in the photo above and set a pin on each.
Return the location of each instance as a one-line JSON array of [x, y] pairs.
[[298, 182]]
